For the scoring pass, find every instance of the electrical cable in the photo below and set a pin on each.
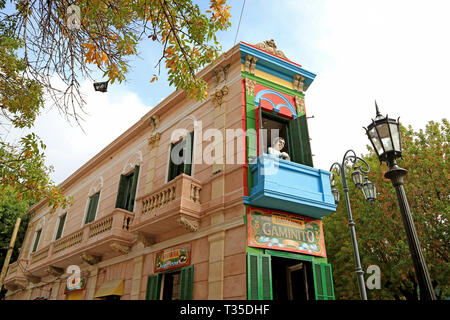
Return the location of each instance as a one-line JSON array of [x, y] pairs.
[[239, 24]]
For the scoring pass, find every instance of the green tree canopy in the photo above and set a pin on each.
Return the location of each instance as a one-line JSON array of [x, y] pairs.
[[380, 232], [42, 40]]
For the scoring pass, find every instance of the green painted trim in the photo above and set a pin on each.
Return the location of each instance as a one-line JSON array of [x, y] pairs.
[[297, 256], [272, 85]]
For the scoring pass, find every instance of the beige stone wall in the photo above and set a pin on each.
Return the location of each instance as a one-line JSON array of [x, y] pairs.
[[218, 274]]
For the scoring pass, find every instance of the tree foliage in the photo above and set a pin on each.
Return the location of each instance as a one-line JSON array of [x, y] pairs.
[[22, 164], [45, 42], [64, 39], [11, 208], [380, 231]]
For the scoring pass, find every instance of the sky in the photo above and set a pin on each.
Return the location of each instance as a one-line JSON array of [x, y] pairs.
[[396, 52]]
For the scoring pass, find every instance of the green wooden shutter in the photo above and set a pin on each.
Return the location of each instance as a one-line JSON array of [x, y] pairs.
[[153, 287], [266, 277], [323, 281], [172, 166], [36, 241], [89, 211], [187, 283], [133, 188], [298, 141], [62, 221], [259, 277], [328, 275], [121, 193], [188, 156], [92, 208]]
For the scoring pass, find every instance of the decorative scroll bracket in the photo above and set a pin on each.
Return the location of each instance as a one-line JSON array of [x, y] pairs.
[[55, 271], [188, 223], [120, 248], [90, 259]]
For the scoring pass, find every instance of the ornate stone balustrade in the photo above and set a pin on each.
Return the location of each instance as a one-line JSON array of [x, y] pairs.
[[95, 239], [175, 205], [67, 242]]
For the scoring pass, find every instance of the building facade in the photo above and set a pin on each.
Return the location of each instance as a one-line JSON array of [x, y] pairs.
[[192, 202]]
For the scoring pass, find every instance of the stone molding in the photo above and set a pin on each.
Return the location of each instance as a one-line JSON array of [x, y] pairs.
[[271, 47], [250, 64], [250, 86], [90, 259], [123, 249], [219, 96]]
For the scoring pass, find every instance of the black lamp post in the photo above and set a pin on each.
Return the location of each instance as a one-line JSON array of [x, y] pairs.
[[384, 134], [369, 192]]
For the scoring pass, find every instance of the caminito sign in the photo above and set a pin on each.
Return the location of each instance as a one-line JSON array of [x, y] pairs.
[[283, 231], [173, 258]]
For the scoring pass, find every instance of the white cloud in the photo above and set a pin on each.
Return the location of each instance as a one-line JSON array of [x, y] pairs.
[[109, 115], [393, 51]]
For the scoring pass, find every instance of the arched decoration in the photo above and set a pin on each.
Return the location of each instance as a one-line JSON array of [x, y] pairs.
[[264, 95], [133, 161], [183, 127], [96, 187]]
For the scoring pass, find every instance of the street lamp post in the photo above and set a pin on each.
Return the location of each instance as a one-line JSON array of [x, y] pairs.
[[369, 192], [384, 134]]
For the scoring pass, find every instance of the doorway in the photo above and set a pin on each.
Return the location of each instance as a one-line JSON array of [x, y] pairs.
[[292, 279]]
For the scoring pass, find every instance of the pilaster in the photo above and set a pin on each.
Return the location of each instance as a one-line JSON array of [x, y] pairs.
[[137, 275]]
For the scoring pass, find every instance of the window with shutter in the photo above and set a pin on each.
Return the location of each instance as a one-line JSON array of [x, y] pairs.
[[323, 281], [259, 277], [182, 149], [62, 221], [92, 208], [153, 287], [187, 283], [126, 194], [36, 240], [298, 141]]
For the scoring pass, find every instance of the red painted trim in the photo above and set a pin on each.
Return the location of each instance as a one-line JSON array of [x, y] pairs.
[[244, 129], [299, 65], [304, 106]]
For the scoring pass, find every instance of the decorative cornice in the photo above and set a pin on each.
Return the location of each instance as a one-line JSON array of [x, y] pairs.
[[188, 223], [154, 139], [299, 104], [120, 248], [271, 47], [33, 279], [146, 240], [275, 65], [219, 96], [153, 122], [250, 64], [54, 271], [250, 86], [220, 74], [90, 259], [298, 82]]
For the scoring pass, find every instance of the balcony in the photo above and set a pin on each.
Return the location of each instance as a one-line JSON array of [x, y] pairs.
[[101, 239], [175, 206], [15, 278], [291, 187]]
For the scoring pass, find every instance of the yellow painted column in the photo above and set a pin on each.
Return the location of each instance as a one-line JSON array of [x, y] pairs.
[[137, 276], [91, 282], [216, 264]]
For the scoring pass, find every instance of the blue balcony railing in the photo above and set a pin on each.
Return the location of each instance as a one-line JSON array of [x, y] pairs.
[[289, 186]]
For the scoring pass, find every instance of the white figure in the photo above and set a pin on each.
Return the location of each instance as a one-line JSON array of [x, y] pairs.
[[276, 148]]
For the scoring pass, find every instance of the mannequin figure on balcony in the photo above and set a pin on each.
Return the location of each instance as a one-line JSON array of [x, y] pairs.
[[276, 148]]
